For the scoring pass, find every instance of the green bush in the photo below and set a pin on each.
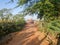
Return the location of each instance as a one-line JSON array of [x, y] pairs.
[[9, 27], [53, 27]]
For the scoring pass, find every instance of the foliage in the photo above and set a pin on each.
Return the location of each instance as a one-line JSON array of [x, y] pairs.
[[9, 27], [44, 8], [47, 9], [5, 14], [10, 23], [54, 26]]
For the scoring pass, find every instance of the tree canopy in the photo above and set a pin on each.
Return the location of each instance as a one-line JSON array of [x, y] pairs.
[[49, 9], [5, 13]]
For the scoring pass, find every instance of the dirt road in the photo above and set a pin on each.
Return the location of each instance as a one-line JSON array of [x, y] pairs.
[[28, 36]]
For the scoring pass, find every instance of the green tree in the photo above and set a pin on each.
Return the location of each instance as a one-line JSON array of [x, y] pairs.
[[18, 17], [5, 14], [47, 9]]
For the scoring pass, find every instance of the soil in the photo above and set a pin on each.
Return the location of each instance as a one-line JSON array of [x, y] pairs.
[[29, 36]]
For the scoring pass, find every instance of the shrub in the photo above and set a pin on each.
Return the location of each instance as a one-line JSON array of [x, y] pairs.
[[9, 27]]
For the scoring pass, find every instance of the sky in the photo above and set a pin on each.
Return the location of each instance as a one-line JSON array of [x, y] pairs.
[[5, 4], [34, 17]]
